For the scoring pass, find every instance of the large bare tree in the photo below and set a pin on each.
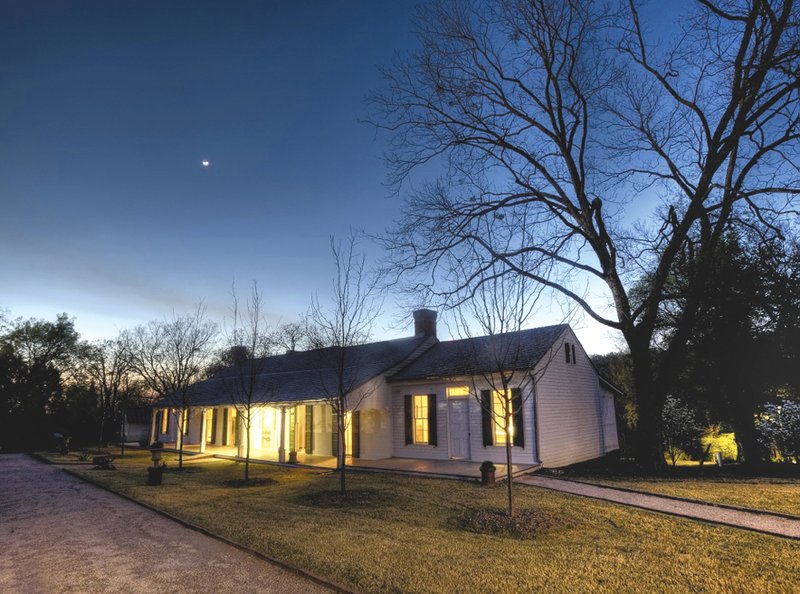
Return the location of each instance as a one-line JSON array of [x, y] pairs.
[[343, 322], [569, 119], [106, 366], [170, 355]]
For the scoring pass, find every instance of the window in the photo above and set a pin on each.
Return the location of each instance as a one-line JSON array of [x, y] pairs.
[[501, 403], [569, 353], [420, 418], [164, 421], [457, 391]]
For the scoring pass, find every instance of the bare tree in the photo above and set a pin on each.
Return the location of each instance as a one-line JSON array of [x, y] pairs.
[[560, 117], [345, 323], [106, 366], [250, 342], [170, 356]]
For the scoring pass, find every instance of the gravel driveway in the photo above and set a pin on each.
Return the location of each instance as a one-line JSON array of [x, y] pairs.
[[59, 534]]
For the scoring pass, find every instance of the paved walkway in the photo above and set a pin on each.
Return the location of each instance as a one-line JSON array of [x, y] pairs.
[[763, 522], [60, 534]]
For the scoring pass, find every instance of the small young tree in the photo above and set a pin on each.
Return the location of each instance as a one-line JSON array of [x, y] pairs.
[[170, 356], [499, 308], [346, 322], [249, 342], [680, 430]]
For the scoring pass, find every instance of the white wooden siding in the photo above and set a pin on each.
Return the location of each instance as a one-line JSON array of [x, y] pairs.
[[568, 406]]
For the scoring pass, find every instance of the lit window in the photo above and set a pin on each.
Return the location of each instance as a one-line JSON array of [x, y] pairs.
[[421, 418], [164, 421], [501, 403], [457, 391]]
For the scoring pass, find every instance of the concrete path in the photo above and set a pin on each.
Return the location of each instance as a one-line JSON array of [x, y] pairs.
[[762, 522], [60, 534]]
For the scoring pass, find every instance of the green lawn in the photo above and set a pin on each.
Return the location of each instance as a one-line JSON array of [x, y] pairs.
[[407, 539], [771, 494]]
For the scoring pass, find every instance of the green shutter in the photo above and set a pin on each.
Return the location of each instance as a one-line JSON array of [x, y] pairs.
[[334, 433], [487, 423], [292, 428], [516, 411], [356, 433], [214, 425], [409, 418], [225, 413], [309, 428], [432, 419]]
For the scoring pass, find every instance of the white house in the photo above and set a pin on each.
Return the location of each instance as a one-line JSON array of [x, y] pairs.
[[415, 397]]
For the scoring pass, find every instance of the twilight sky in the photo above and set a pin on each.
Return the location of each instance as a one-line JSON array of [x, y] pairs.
[[107, 109]]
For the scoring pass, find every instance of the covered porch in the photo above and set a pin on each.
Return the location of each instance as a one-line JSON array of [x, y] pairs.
[[452, 469]]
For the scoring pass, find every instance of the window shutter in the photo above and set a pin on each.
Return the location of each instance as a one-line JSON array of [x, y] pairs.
[[214, 425], [486, 418], [566, 351], [309, 428], [432, 419], [409, 418], [334, 433], [225, 426], [356, 433], [516, 411], [572, 348]]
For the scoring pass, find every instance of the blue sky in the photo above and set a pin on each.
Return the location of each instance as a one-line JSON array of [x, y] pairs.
[[107, 110]]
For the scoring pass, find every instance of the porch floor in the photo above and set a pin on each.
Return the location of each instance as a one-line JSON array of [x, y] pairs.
[[457, 469]]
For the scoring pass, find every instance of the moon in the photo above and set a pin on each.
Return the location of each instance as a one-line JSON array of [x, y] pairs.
[[205, 163]]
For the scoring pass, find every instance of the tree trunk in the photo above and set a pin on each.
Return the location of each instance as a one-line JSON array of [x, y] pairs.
[[750, 452], [342, 458], [649, 400], [247, 450], [181, 422], [508, 473]]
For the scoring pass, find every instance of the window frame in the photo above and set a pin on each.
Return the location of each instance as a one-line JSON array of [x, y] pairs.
[[500, 436], [420, 422]]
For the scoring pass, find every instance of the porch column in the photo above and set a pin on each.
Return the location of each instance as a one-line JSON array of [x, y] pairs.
[[218, 419], [180, 426], [153, 416], [240, 451], [282, 447], [202, 431]]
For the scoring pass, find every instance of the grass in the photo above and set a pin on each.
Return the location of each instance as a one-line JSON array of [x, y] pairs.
[[402, 534], [770, 494]]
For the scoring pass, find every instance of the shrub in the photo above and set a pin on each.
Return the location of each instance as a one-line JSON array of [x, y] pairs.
[[680, 430], [778, 427]]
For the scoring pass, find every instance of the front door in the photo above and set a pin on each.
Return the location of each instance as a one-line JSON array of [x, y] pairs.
[[458, 427]]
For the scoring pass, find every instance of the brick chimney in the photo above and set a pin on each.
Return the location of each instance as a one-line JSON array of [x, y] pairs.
[[425, 323]]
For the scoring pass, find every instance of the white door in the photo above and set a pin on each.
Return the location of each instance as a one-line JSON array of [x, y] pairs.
[[458, 427]]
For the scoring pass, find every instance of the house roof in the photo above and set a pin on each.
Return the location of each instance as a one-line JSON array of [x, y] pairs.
[[484, 354], [302, 375]]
